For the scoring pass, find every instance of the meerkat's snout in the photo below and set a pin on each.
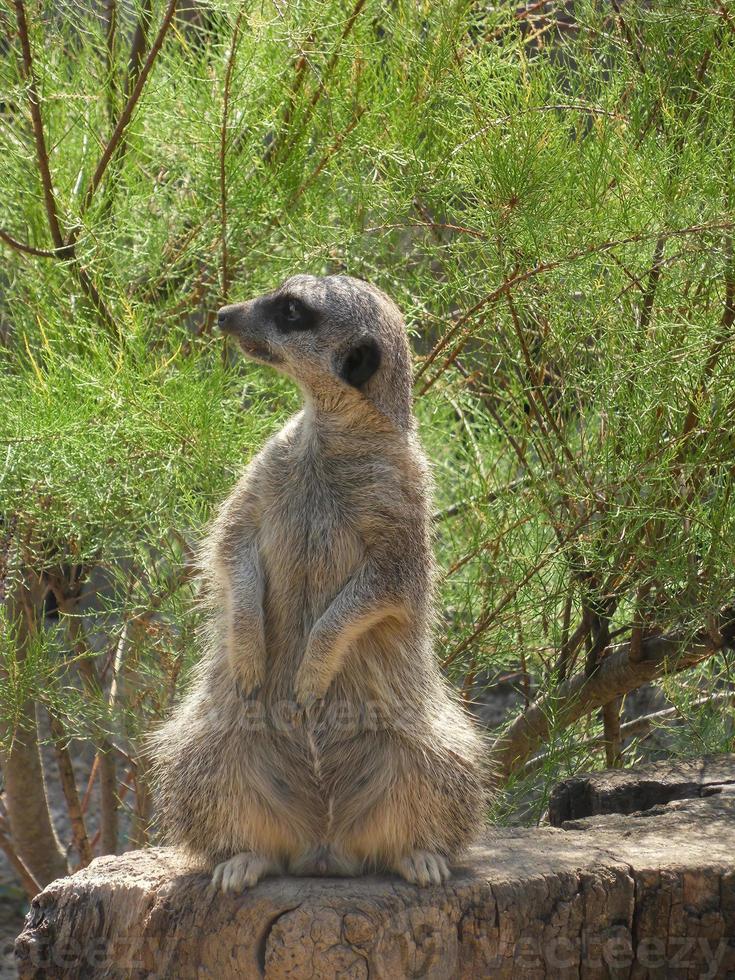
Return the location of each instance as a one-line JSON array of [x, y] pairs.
[[238, 321]]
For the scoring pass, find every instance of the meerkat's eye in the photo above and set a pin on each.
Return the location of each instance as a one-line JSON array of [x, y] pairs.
[[292, 314]]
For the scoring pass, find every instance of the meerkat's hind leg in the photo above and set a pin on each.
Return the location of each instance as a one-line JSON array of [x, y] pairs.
[[242, 871], [423, 868]]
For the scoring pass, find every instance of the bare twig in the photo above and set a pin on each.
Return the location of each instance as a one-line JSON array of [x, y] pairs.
[[633, 41], [43, 253], [638, 631], [38, 131], [654, 274], [109, 804], [110, 37], [138, 45], [611, 727], [90, 782], [223, 152], [615, 676], [71, 793], [113, 143], [30, 884]]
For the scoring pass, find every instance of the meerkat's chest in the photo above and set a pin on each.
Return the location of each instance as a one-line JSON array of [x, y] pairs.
[[310, 534]]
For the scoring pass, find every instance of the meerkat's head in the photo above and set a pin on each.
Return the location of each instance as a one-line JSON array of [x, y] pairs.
[[342, 340]]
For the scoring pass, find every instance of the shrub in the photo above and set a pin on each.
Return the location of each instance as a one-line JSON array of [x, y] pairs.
[[546, 190]]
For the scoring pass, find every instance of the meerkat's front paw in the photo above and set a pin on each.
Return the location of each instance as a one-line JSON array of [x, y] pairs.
[[241, 871], [308, 688], [249, 675], [423, 868]]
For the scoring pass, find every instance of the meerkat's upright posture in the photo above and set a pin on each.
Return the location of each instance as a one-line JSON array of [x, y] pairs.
[[319, 736]]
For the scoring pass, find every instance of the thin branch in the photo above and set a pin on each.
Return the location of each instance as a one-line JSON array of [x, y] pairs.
[[612, 736], [30, 884], [519, 277], [615, 676], [137, 46], [90, 782], [110, 37], [630, 37], [125, 116], [43, 253], [654, 274], [71, 793], [64, 250], [223, 152], [38, 132]]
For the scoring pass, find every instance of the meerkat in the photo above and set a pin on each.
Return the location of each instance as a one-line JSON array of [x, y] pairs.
[[319, 735]]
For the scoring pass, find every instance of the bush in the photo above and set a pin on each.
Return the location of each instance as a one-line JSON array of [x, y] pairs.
[[547, 191]]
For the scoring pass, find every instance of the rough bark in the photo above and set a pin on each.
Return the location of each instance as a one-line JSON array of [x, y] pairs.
[[651, 894], [630, 790]]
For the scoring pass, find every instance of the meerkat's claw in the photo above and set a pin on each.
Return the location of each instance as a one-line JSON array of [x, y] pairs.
[[248, 694], [249, 679], [306, 692], [423, 868], [241, 871]]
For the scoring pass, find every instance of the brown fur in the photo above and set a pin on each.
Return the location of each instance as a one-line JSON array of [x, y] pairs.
[[319, 735]]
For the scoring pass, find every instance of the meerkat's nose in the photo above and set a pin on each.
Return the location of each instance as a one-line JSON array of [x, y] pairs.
[[223, 317]]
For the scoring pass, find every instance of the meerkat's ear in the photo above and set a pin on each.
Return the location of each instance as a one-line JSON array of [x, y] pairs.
[[360, 362]]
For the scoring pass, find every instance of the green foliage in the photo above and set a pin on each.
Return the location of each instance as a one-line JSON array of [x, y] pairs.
[[547, 194]]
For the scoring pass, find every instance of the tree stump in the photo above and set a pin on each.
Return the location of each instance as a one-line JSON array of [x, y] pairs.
[[640, 788], [646, 895]]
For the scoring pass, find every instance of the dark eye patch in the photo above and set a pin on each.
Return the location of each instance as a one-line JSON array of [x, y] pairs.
[[291, 314]]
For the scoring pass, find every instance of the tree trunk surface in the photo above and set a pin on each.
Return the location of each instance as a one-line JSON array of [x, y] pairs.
[[645, 895]]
